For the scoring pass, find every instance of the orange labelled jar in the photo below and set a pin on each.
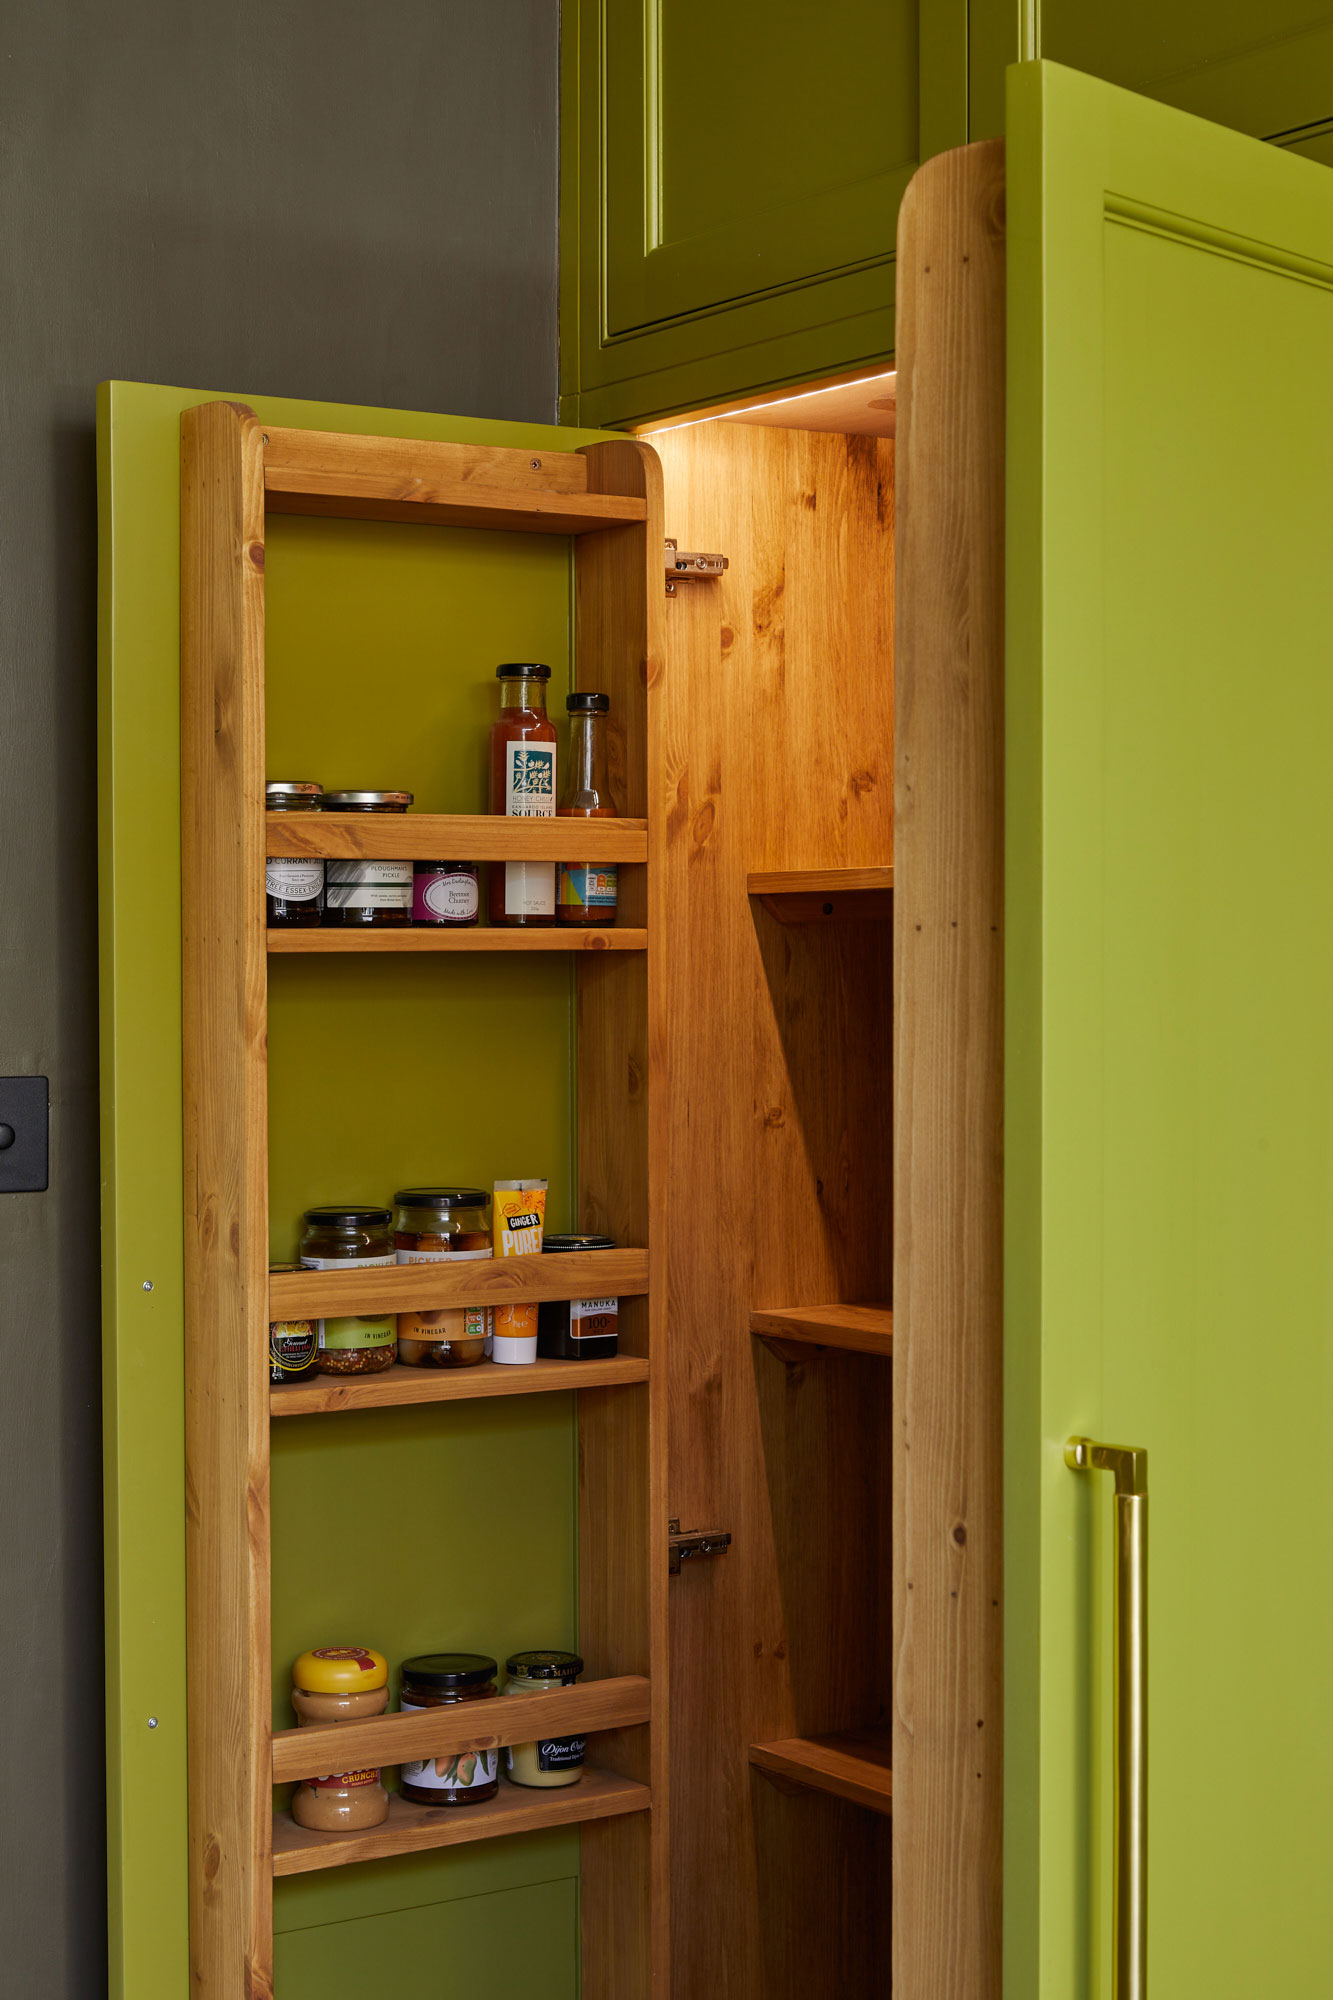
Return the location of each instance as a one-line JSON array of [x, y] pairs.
[[340, 1684]]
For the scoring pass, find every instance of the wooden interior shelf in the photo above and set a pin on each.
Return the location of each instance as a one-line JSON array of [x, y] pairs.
[[299, 943], [451, 1385], [410, 1828], [294, 1293], [812, 895], [449, 1732], [439, 485], [853, 1764], [453, 837], [862, 1329]]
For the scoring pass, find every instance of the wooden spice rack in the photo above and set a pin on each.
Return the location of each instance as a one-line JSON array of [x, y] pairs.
[[608, 497]]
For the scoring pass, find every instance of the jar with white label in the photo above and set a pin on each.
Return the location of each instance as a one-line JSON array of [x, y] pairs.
[[367, 891], [444, 894], [294, 883], [443, 1225], [552, 1761], [349, 1238], [439, 1680]]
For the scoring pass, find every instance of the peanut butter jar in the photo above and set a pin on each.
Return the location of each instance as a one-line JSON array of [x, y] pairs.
[[340, 1684]]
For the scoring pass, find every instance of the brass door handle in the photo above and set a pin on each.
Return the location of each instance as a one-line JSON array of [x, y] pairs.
[[1130, 1466]]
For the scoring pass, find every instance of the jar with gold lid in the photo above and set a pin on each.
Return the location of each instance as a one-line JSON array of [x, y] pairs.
[[340, 1684]]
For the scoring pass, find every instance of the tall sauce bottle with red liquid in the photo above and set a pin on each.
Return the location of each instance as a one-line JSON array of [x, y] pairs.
[[523, 787], [587, 890]]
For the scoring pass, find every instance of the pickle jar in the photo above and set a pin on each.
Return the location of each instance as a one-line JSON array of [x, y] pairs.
[[438, 1680], [340, 1684], [294, 883], [346, 1238], [443, 1225], [553, 1760], [367, 891]]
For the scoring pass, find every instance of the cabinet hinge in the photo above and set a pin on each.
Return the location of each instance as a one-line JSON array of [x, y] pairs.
[[688, 565], [690, 1542]]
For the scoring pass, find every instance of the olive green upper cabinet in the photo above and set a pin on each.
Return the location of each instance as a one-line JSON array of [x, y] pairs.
[[732, 174], [1262, 66]]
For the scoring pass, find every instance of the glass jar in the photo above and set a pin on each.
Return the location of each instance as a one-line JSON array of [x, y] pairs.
[[294, 883], [522, 786], [587, 889], [444, 894], [443, 1225], [438, 1680], [552, 1761], [293, 1349], [373, 893], [345, 1239], [577, 1329], [340, 1684]]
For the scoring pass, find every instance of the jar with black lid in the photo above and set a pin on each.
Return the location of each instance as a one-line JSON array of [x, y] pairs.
[[577, 1329], [368, 892], [438, 1680], [294, 883], [349, 1238]]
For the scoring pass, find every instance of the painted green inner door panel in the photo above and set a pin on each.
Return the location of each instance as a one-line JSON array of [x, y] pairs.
[[406, 1528], [1169, 1151]]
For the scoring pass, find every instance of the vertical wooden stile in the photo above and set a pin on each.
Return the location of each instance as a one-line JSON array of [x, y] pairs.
[[949, 1076], [226, 1202], [620, 599]]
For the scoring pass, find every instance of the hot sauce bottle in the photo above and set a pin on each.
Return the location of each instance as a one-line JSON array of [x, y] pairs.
[[587, 891], [523, 786]]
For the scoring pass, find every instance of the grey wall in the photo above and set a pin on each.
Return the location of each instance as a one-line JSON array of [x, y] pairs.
[[321, 198]]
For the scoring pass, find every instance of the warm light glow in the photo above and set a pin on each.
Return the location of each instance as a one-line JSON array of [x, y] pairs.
[[773, 403]]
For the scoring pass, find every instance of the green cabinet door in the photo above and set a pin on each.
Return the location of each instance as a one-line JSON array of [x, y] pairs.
[[1169, 1145], [731, 181]]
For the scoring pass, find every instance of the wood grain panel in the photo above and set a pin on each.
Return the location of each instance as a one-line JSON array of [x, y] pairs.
[[301, 943], [584, 1710], [226, 1201], [576, 1274], [862, 1329], [853, 1765], [400, 1385], [622, 1183], [454, 837], [599, 1795], [949, 1062], [779, 747]]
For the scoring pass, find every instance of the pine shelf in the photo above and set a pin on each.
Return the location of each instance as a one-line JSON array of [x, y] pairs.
[[851, 1764], [301, 943], [294, 1293], [400, 1385], [420, 836], [859, 1329], [812, 895], [411, 1828]]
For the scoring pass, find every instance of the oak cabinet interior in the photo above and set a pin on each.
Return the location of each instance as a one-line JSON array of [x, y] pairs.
[[732, 1119]]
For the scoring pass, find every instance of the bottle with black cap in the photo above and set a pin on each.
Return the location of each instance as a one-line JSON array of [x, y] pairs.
[[522, 787]]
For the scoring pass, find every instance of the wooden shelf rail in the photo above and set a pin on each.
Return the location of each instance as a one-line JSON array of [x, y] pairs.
[[300, 943], [398, 1385], [424, 836], [852, 1764], [294, 1293], [860, 1329], [581, 1710], [410, 1828]]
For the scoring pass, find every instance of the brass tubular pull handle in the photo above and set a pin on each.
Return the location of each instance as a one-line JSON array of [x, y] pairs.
[[1130, 1467]]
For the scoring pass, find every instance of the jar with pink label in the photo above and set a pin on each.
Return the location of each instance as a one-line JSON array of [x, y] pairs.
[[444, 894]]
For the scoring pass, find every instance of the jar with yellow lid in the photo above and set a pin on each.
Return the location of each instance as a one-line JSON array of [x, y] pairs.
[[554, 1760], [340, 1684]]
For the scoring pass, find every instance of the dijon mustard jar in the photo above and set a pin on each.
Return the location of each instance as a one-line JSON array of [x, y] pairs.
[[340, 1684], [554, 1760]]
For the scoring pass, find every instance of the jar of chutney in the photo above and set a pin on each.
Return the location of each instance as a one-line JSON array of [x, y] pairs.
[[294, 883], [438, 1680], [368, 892]]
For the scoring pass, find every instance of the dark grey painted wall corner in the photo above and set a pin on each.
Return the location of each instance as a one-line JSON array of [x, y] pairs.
[[313, 198]]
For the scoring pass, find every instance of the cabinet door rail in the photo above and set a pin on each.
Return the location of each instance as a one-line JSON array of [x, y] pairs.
[[294, 1293], [323, 1394], [453, 837], [580, 1710]]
